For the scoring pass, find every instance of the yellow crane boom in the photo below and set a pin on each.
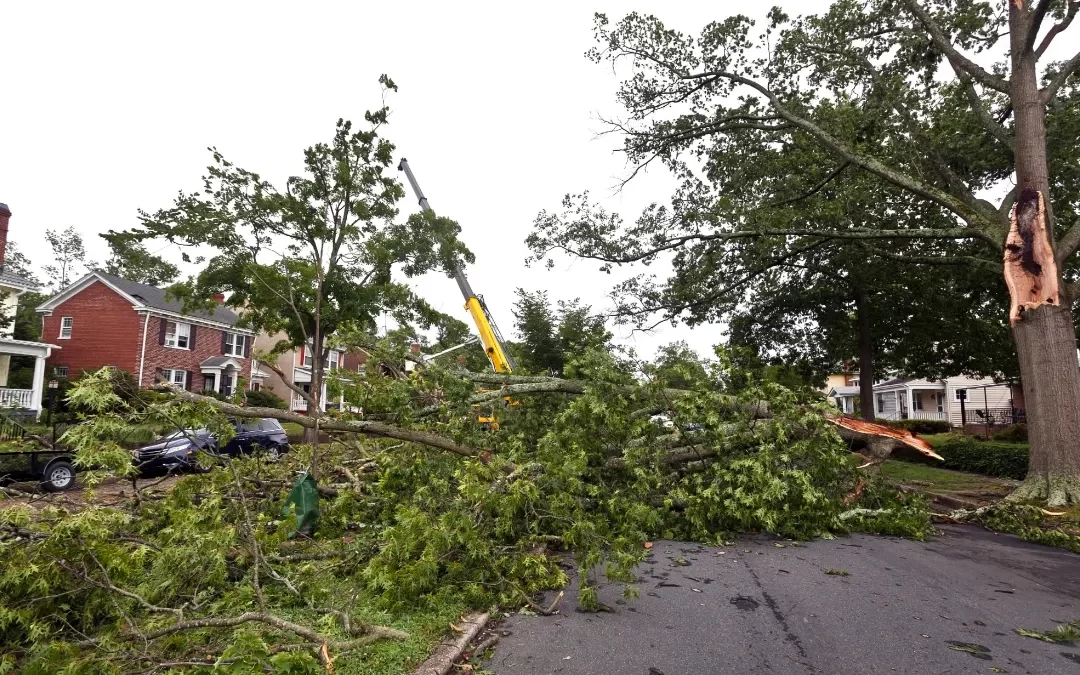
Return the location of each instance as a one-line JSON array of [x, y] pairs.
[[490, 337]]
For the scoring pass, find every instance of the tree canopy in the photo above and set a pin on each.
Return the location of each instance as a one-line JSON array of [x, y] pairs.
[[891, 93]]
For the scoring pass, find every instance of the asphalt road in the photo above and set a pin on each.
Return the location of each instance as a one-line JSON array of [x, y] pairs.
[[950, 605]]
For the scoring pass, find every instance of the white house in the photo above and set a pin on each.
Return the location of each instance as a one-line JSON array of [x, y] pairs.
[[911, 398], [11, 287]]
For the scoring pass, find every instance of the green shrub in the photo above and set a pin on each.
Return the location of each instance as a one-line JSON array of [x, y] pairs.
[[922, 426], [265, 399], [986, 457], [1017, 433]]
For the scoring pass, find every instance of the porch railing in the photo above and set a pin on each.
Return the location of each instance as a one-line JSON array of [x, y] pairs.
[[299, 403], [995, 416], [10, 430], [16, 398], [912, 415]]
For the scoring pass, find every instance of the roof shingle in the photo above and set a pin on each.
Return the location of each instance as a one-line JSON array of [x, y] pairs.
[[154, 297]]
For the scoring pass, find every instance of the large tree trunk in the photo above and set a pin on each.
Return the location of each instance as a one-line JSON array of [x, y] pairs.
[[866, 354], [1042, 325]]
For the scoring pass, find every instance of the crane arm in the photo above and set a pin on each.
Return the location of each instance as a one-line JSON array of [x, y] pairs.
[[490, 337]]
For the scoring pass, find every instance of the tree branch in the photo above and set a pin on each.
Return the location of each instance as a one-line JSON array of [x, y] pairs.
[[988, 265], [991, 125], [814, 190], [874, 166], [1068, 243], [1051, 89], [1070, 12], [372, 632], [351, 426], [958, 60], [1034, 23]]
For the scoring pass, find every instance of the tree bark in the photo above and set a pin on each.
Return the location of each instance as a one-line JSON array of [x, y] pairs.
[[1042, 325], [866, 353]]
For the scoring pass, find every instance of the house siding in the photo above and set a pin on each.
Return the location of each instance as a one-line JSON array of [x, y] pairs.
[[273, 383], [106, 331], [997, 396], [207, 344]]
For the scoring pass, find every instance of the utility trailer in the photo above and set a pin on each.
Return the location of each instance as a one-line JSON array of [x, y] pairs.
[[51, 467]]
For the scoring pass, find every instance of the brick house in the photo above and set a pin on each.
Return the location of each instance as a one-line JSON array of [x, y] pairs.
[[103, 320]]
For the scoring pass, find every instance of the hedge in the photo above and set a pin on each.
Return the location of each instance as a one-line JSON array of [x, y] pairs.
[[1003, 460], [922, 426]]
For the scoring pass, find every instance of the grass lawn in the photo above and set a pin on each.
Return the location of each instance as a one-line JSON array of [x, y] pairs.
[[292, 428], [940, 480]]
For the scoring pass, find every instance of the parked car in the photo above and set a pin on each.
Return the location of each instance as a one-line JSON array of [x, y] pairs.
[[179, 450]]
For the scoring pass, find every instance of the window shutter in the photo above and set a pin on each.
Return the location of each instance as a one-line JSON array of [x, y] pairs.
[[164, 325], [191, 337], [224, 342], [188, 379], [302, 348], [248, 339]]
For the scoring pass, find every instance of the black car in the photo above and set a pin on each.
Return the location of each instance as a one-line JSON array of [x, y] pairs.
[[179, 450]]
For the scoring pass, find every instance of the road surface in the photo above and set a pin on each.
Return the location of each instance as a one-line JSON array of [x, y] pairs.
[[950, 605]]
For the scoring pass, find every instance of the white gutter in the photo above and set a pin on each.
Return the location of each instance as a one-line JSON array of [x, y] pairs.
[[142, 353]]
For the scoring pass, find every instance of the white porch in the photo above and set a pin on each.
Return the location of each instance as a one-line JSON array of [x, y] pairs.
[[23, 399], [911, 400]]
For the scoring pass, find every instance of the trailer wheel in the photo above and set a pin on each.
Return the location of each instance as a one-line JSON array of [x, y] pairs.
[[59, 476]]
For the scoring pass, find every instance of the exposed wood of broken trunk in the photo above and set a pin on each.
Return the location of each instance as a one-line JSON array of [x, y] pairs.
[[1042, 325]]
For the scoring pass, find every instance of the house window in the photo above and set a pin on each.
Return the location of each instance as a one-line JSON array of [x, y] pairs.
[[960, 394], [66, 324], [175, 377], [60, 371], [209, 382], [331, 360], [235, 344], [177, 335], [255, 386], [855, 382], [917, 400], [941, 402], [305, 357], [881, 403]]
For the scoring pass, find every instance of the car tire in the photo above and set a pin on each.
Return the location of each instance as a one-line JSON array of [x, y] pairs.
[[59, 476], [274, 453]]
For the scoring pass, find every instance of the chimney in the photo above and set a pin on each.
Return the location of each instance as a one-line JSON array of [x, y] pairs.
[[219, 298], [415, 348], [5, 215]]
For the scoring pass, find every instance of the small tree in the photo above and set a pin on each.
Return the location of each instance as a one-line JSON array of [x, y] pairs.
[[322, 253], [69, 256]]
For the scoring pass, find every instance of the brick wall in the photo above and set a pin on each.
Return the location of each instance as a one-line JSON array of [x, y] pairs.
[[353, 360], [106, 332], [207, 344]]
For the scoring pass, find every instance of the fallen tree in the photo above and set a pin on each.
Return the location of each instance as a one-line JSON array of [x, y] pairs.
[[426, 513]]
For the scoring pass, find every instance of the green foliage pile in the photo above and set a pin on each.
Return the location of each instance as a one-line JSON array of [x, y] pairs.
[[409, 533], [1030, 523], [990, 458], [922, 426]]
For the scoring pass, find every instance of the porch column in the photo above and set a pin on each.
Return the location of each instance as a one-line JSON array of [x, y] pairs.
[[38, 384], [910, 403]]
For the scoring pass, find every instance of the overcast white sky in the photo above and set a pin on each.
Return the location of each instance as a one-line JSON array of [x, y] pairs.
[[109, 107]]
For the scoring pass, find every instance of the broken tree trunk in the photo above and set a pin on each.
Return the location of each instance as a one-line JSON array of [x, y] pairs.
[[1042, 325], [1046, 347]]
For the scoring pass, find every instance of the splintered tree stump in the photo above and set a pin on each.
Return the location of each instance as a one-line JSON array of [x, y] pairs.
[[1030, 269]]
